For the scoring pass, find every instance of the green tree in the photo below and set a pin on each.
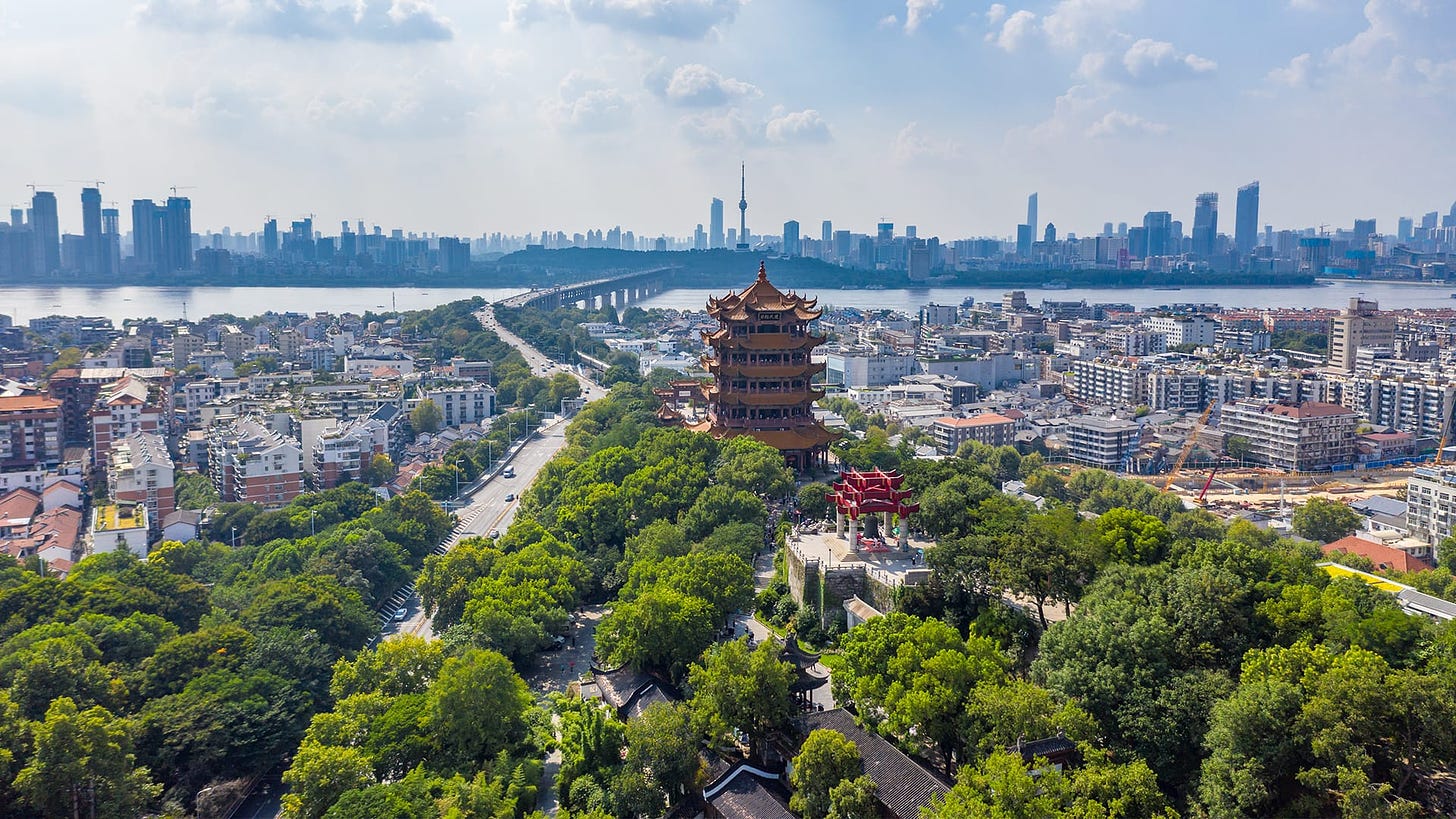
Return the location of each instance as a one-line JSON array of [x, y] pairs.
[[194, 491], [812, 500], [662, 742], [83, 766], [1130, 536], [379, 471], [319, 775], [1324, 521], [404, 665], [745, 463], [1048, 561], [854, 799], [662, 630], [825, 760], [426, 417], [719, 505], [1238, 446], [477, 708], [734, 687]]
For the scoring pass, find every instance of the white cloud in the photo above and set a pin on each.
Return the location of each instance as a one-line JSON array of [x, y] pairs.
[[680, 19], [995, 14], [728, 127], [1015, 31], [382, 21], [912, 144], [1293, 75], [917, 12], [888, 21], [587, 104], [1075, 23], [1118, 123], [696, 85], [1146, 62], [798, 126]]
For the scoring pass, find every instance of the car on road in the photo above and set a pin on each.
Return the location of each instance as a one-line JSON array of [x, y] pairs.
[[400, 614], [509, 472], [510, 496], [494, 533], [557, 643]]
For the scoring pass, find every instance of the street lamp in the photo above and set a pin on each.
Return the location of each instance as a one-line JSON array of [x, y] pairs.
[[312, 513], [235, 537]]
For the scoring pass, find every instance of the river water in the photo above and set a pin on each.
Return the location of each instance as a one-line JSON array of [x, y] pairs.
[[1336, 295], [118, 303]]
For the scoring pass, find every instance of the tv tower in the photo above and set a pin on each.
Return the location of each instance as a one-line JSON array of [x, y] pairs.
[[742, 207]]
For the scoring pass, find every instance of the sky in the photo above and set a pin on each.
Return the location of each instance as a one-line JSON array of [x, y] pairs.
[[471, 116]]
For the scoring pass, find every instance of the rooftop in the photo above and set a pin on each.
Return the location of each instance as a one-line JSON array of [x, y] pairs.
[[982, 420], [112, 517]]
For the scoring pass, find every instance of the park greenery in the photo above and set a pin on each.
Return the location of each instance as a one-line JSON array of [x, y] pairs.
[[137, 686]]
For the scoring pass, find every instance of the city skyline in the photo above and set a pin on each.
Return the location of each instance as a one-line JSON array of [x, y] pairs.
[[592, 113]]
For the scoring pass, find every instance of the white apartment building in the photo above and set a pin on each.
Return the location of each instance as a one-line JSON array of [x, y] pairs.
[[1101, 442], [1179, 330], [1302, 437], [1430, 495], [462, 403]]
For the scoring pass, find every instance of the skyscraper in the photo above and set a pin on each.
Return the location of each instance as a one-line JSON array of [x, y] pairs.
[[1364, 229], [742, 208], [177, 234], [110, 241], [146, 235], [791, 238], [1031, 214], [715, 224], [91, 230], [1246, 218], [1404, 229], [1158, 233], [1205, 224], [1106, 228], [46, 230], [270, 237]]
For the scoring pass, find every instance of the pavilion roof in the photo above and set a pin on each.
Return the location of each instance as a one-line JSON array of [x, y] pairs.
[[761, 296]]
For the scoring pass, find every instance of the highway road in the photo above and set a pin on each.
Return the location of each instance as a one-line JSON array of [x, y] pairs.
[[493, 505]]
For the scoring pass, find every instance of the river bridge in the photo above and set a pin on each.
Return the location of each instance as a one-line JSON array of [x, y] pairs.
[[615, 291]]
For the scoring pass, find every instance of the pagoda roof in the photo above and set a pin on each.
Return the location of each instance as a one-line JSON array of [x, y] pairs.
[[767, 399], [762, 341], [761, 296], [768, 370], [794, 653], [785, 440]]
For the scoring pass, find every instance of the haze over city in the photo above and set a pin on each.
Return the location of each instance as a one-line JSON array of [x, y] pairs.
[[468, 117]]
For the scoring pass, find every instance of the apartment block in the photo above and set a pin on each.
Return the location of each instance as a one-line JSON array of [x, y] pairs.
[[1102, 442], [30, 433], [141, 472], [129, 404], [988, 428], [250, 463], [1300, 437], [1179, 330], [462, 403]]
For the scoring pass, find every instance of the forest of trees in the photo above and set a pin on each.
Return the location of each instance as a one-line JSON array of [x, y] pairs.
[[160, 685]]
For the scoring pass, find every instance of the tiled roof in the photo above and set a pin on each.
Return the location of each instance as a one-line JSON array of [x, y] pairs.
[[984, 419], [1307, 409], [748, 797], [1384, 557], [903, 786], [23, 403]]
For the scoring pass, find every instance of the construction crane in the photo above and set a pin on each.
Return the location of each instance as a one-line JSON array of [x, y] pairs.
[[1188, 445], [34, 185], [95, 183], [176, 188]]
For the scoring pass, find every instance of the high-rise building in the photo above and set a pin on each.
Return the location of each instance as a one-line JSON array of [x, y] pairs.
[[791, 238], [1158, 233], [1360, 325], [94, 255], [1246, 218], [1023, 241], [715, 223], [110, 241], [45, 224], [1205, 224], [270, 237], [17, 218], [146, 235], [1031, 213], [826, 233], [1404, 229], [742, 208], [1364, 229], [177, 234], [1106, 228], [1051, 233]]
